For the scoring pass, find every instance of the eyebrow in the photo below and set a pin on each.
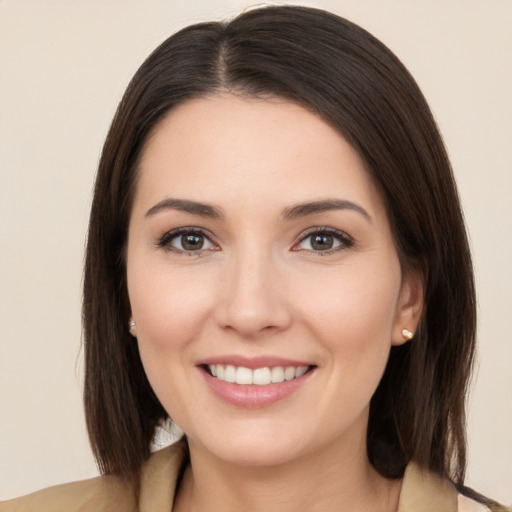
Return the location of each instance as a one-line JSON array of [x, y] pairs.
[[184, 205], [290, 213], [304, 209]]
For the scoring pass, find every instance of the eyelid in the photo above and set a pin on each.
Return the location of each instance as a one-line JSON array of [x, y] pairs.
[[164, 241], [346, 240]]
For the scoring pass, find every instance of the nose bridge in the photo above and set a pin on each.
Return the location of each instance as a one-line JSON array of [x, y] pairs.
[[252, 296]]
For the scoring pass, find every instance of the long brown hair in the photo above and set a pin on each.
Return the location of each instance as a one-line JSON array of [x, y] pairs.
[[342, 73]]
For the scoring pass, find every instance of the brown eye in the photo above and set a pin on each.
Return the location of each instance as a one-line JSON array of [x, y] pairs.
[[324, 240], [192, 242], [186, 241]]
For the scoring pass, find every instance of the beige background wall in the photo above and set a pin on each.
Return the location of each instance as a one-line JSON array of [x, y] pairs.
[[64, 65]]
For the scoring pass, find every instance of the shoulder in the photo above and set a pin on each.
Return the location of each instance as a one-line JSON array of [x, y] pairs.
[[472, 501], [110, 493], [104, 493], [424, 491]]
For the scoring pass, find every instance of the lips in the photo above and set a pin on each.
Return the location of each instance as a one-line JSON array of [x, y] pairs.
[[255, 382]]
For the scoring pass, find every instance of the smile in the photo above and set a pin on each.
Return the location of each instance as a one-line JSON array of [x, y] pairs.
[[255, 382], [257, 376]]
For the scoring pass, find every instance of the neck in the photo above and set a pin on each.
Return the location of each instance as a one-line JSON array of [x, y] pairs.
[[336, 477]]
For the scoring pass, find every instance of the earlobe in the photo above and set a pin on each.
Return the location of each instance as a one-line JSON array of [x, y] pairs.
[[410, 308]]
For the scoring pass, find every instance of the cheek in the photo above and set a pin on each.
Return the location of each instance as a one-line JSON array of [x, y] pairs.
[[352, 315], [170, 309], [353, 324], [353, 300], [168, 306]]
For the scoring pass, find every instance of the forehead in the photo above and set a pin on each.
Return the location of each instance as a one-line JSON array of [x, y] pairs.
[[224, 148]]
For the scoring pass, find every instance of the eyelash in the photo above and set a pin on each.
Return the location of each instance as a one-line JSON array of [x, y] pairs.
[[165, 241], [345, 241]]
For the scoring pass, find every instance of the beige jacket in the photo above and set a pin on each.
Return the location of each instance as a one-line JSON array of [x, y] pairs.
[[421, 491]]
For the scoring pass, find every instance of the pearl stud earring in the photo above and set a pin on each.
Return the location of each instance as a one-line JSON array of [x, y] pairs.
[[407, 334], [132, 328]]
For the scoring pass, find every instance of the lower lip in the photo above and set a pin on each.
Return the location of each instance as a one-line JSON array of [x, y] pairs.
[[253, 396]]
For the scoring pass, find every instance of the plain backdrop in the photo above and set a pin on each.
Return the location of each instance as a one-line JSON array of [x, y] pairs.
[[64, 65]]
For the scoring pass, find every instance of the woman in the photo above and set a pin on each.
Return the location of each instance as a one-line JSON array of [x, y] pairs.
[[277, 261]]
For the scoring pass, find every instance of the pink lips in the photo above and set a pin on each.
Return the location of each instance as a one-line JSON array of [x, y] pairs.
[[253, 396]]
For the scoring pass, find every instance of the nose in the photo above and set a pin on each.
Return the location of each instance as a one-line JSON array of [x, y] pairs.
[[253, 298]]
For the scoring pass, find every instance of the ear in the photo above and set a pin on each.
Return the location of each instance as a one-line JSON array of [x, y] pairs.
[[409, 307]]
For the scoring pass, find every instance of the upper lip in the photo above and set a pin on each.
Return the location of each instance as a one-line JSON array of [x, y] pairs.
[[253, 362]]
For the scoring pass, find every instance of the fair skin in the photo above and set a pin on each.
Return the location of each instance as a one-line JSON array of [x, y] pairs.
[[257, 239]]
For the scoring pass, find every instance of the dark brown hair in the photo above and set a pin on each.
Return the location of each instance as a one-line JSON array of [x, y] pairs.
[[341, 72]]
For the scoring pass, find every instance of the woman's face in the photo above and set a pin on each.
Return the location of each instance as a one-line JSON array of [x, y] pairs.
[[259, 249]]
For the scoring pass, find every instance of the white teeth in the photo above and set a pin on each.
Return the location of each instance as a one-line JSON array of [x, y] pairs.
[[243, 375], [289, 373], [259, 376], [277, 374], [230, 373], [299, 372]]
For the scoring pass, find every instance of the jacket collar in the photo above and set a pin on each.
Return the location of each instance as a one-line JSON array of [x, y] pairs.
[[422, 491], [160, 477]]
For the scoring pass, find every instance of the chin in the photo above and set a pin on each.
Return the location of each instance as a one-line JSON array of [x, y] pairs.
[[253, 449], [258, 456]]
